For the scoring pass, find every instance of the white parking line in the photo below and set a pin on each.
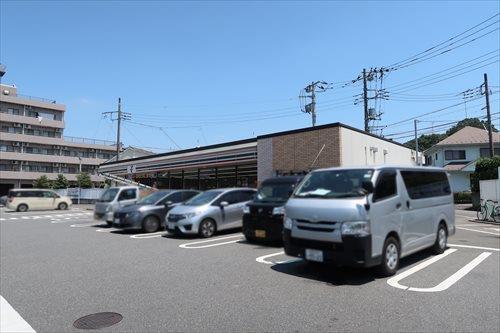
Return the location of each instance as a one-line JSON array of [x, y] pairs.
[[107, 230], [11, 320], [483, 232], [151, 235], [83, 225], [394, 281], [474, 247], [448, 282], [263, 260], [189, 245]]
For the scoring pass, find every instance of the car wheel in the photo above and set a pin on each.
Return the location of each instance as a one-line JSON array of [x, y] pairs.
[[441, 240], [22, 208], [207, 228], [62, 206], [150, 224], [250, 239], [390, 257]]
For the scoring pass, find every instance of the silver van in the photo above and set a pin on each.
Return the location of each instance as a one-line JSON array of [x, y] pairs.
[[369, 216], [112, 199], [209, 212]]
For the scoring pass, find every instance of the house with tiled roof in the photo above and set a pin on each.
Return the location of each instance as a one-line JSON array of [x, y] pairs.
[[459, 152]]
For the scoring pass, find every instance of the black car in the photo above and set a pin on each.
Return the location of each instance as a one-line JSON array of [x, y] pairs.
[[263, 217], [149, 212]]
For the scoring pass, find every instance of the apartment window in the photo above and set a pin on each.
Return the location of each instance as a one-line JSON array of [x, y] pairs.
[[454, 155], [13, 111], [485, 152]]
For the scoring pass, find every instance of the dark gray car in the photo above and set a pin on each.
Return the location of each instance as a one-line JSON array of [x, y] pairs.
[[149, 212]]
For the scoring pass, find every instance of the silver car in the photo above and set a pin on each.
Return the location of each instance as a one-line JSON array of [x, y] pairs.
[[209, 212]]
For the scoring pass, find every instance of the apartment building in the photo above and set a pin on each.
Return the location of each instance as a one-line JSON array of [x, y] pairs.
[[32, 143]]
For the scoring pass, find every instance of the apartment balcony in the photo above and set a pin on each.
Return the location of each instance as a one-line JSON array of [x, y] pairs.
[[33, 101], [15, 156], [56, 141], [24, 175], [10, 118]]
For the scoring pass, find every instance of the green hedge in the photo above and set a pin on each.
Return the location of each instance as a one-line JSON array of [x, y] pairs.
[[486, 168], [462, 197]]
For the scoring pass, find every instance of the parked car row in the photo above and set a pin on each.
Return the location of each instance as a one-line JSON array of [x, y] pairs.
[[368, 216]]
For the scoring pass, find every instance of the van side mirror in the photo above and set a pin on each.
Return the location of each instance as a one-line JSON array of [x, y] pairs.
[[224, 204], [367, 186]]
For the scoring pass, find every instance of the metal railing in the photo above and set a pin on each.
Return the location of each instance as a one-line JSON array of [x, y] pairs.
[[87, 140], [34, 98]]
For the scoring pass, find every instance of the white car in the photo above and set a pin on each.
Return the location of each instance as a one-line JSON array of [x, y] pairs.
[[22, 200]]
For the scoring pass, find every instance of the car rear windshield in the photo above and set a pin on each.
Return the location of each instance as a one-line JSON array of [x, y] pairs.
[[426, 184], [109, 195], [203, 198], [277, 192], [153, 198], [334, 184]]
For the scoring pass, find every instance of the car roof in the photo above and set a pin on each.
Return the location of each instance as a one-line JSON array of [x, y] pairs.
[[226, 189], [283, 180], [385, 166], [30, 189]]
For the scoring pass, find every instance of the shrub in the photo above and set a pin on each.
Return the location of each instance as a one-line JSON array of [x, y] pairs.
[[42, 182], [60, 182], [462, 197], [486, 168]]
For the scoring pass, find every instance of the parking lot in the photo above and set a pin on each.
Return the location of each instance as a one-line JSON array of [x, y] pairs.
[[57, 266]]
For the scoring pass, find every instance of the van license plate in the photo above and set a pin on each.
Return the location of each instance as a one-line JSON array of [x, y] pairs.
[[260, 233], [314, 255]]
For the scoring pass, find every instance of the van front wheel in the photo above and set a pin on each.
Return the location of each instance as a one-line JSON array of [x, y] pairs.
[[441, 240], [390, 257]]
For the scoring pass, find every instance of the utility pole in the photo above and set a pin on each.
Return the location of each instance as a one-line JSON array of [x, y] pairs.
[[311, 89], [118, 128], [120, 116], [365, 101], [488, 114], [418, 160]]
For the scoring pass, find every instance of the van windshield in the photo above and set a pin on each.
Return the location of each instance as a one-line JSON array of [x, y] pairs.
[[109, 195], [203, 198], [334, 184], [274, 192]]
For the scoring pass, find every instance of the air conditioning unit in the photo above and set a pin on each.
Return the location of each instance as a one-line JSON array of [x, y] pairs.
[[15, 162], [16, 144], [17, 125], [64, 165], [56, 147], [56, 164], [27, 126]]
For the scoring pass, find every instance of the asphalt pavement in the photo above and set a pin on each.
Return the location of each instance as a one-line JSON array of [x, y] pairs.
[[57, 266]]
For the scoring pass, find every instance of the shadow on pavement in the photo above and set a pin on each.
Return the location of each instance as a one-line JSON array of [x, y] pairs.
[[338, 276]]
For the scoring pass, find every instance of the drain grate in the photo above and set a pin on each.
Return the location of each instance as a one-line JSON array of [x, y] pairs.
[[98, 320]]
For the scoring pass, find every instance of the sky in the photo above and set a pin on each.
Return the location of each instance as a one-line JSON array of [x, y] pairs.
[[193, 73]]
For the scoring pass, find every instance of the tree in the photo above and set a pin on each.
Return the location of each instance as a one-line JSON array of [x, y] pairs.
[[84, 180], [473, 122], [60, 182], [486, 168], [426, 141], [42, 182]]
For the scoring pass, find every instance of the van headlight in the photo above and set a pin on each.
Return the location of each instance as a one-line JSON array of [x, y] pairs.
[[358, 228], [288, 223], [246, 209], [279, 210]]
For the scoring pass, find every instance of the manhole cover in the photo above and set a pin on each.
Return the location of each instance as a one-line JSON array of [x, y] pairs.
[[98, 320]]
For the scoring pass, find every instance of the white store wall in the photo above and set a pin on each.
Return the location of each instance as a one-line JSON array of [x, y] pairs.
[[360, 149]]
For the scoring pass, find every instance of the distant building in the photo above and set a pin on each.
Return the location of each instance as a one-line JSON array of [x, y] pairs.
[[131, 152], [459, 152], [32, 142]]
